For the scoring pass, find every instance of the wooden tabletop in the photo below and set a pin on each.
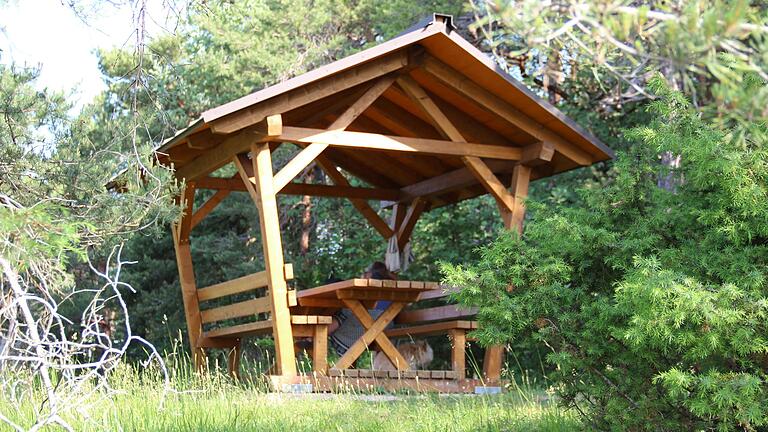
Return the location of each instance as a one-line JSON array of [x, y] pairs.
[[331, 295]]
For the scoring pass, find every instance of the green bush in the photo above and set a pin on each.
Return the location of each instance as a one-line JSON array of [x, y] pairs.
[[651, 300]]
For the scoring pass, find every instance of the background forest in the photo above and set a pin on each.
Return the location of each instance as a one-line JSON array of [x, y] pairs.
[[638, 290]]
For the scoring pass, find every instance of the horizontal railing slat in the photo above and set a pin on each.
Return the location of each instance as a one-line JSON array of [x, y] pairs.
[[242, 284], [236, 310]]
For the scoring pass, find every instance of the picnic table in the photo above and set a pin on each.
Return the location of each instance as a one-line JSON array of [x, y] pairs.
[[358, 295]]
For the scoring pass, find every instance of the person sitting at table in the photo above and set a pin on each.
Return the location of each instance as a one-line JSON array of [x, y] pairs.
[[346, 329]]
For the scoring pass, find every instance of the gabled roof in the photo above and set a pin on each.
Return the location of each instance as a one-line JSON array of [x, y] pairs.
[[488, 105]]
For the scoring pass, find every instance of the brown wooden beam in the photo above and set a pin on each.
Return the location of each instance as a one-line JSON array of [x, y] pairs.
[[396, 143], [363, 207], [266, 203], [412, 216], [216, 158], [226, 184], [496, 105], [310, 92], [310, 152], [208, 207]]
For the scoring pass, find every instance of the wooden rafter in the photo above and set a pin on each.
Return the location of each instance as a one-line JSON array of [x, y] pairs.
[[493, 103], [308, 93], [310, 152]]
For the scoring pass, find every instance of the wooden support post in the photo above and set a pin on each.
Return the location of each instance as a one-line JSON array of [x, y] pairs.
[[320, 349], [187, 279], [208, 207], [521, 177], [264, 197], [458, 352]]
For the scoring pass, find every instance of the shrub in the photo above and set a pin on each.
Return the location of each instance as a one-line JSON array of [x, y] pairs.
[[652, 300]]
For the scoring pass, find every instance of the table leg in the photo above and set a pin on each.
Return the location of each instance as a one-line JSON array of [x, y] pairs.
[[374, 332]]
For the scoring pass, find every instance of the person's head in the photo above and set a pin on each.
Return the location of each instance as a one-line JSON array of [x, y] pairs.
[[378, 270]]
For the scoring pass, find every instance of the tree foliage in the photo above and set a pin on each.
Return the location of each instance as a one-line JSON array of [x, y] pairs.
[[651, 301]]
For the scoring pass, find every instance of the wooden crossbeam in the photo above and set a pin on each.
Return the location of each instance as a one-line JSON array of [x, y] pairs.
[[320, 190], [238, 143], [311, 92], [208, 207], [310, 152], [396, 143], [496, 105]]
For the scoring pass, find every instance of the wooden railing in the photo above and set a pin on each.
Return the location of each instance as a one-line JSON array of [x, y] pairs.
[[252, 307]]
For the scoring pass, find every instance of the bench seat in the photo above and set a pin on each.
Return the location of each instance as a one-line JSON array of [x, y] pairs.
[[431, 329]]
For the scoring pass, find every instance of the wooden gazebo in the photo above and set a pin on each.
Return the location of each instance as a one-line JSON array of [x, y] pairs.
[[424, 120]]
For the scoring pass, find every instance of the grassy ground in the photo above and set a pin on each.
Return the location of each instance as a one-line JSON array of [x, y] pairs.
[[216, 403]]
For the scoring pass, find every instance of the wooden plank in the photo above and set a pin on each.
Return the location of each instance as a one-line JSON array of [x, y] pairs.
[[438, 374], [429, 329], [374, 332], [236, 310], [249, 329], [242, 284], [215, 158], [458, 352], [380, 294], [208, 207], [365, 373], [320, 349], [415, 209], [204, 140], [269, 222], [320, 303], [310, 92], [437, 313], [189, 297], [493, 103], [395, 143]]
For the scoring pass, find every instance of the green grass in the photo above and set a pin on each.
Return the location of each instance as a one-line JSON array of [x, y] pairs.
[[216, 403]]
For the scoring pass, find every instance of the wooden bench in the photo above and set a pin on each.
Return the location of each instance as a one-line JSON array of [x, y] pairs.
[[258, 310], [438, 320]]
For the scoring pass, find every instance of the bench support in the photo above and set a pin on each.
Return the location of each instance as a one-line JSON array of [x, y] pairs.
[[458, 352]]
